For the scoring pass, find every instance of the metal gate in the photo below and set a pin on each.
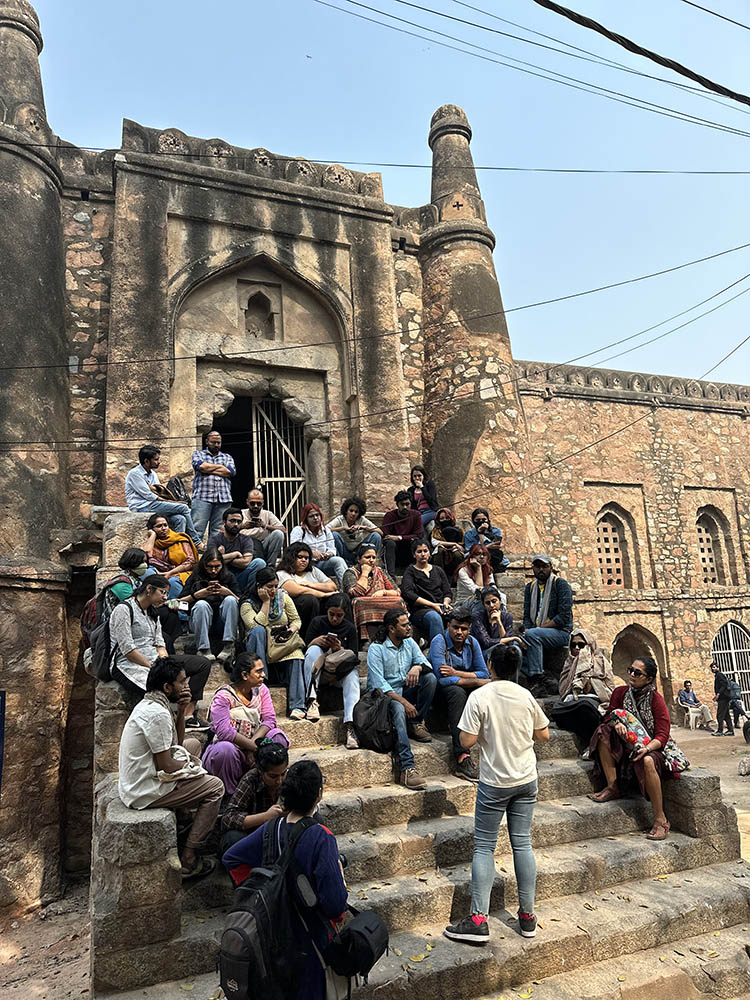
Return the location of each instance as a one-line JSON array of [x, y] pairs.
[[279, 460], [731, 653]]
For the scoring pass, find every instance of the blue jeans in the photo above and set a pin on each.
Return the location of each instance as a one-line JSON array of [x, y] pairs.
[[427, 516], [271, 546], [421, 696], [349, 684], [175, 583], [177, 515], [257, 642], [428, 619], [334, 567], [350, 555], [202, 621], [537, 640], [246, 577], [299, 684], [491, 805], [208, 512]]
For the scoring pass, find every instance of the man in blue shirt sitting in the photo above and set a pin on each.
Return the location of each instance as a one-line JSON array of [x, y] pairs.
[[395, 664], [458, 665]]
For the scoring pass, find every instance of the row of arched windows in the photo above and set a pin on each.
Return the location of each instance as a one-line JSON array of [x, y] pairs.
[[618, 556]]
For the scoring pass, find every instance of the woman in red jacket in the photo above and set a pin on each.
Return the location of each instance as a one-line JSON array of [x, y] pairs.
[[646, 765]]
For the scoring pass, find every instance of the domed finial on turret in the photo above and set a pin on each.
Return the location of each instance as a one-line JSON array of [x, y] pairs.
[[21, 93], [455, 190], [21, 15], [449, 119]]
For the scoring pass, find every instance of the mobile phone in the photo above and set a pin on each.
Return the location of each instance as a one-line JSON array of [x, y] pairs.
[[331, 635], [183, 606]]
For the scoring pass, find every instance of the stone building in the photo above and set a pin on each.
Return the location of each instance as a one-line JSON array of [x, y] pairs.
[[151, 292]]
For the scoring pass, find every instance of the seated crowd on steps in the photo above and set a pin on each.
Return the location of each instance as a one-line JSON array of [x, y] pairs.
[[299, 613]]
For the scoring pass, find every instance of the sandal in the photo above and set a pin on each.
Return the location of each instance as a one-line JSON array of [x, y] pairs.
[[204, 866], [606, 795], [659, 831]]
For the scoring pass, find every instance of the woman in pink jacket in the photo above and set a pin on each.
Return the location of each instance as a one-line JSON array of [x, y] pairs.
[[241, 715]]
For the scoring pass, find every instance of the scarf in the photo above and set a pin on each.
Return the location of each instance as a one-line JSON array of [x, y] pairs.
[[276, 608], [589, 671], [159, 698], [638, 703], [541, 614]]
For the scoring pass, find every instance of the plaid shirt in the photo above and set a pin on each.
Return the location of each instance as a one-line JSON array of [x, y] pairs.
[[250, 798], [210, 487]]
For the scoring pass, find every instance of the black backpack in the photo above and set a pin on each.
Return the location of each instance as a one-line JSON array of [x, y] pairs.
[[734, 691], [372, 722], [177, 488], [101, 654], [260, 952], [579, 716], [356, 948]]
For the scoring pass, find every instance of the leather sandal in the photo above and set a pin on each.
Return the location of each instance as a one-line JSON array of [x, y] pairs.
[[606, 795], [659, 831]]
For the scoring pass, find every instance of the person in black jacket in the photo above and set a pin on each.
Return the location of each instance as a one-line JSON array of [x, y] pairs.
[[722, 699], [547, 616], [426, 590], [423, 494]]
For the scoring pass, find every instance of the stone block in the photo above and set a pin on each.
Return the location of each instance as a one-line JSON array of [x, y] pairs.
[[116, 928], [695, 789], [106, 759], [147, 964], [150, 884], [108, 726], [131, 836], [120, 532], [111, 696]]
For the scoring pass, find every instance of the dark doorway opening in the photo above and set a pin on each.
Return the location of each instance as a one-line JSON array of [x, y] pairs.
[[236, 429]]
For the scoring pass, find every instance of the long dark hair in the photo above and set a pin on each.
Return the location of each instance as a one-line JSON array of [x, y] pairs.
[[225, 578], [289, 556]]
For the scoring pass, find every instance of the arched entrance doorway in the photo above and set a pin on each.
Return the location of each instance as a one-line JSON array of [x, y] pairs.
[[269, 450], [633, 642], [730, 650]]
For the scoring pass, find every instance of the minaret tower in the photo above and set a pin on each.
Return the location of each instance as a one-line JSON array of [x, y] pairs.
[[33, 402], [474, 430]]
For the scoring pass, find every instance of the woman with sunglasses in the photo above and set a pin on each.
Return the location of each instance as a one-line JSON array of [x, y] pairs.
[[587, 670], [647, 766]]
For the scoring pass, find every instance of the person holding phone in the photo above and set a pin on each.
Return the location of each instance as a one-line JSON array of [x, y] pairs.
[[426, 590], [332, 657], [213, 603]]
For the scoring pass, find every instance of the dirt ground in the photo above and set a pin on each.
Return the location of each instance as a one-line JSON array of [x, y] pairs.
[[45, 955]]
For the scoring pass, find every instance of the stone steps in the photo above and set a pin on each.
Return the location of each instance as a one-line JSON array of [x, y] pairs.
[[651, 915]]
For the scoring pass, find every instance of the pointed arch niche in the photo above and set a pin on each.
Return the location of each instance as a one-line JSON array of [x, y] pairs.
[[716, 558], [635, 641], [258, 331], [617, 551]]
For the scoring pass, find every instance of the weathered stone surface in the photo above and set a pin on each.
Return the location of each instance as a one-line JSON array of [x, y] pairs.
[[131, 836]]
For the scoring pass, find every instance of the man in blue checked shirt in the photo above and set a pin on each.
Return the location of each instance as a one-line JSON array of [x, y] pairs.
[[459, 666], [396, 666], [212, 484]]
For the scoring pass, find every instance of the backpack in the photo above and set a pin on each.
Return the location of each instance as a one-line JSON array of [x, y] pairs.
[[372, 722], [734, 691], [579, 716], [259, 953], [177, 488], [94, 611], [358, 945], [100, 655]]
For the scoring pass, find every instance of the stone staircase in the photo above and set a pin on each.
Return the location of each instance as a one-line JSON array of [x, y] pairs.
[[616, 912]]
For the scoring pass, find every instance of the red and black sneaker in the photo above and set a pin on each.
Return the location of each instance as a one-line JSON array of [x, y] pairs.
[[473, 930], [527, 923]]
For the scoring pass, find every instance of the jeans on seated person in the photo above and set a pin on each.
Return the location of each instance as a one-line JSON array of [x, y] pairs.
[[335, 567], [429, 619], [350, 555], [492, 803], [298, 692], [256, 642], [270, 548], [177, 515], [395, 553], [175, 583], [246, 577], [203, 620], [420, 696], [537, 640], [349, 684], [207, 512], [427, 516]]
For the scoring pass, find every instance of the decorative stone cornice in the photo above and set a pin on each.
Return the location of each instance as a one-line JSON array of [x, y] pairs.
[[605, 383]]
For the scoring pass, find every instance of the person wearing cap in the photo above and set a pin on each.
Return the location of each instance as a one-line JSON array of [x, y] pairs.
[[547, 615]]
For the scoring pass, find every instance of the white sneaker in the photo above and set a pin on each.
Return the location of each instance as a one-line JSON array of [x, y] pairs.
[[226, 652], [297, 714], [207, 653], [313, 711]]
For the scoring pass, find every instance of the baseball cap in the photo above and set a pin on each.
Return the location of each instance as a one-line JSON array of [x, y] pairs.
[[542, 558]]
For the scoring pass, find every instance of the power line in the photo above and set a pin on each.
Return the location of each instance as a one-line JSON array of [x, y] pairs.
[[716, 14], [94, 365], [574, 83], [639, 50], [733, 351], [412, 406], [403, 166]]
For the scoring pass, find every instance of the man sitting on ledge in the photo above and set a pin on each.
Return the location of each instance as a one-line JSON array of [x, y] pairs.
[[143, 491], [547, 617], [146, 761]]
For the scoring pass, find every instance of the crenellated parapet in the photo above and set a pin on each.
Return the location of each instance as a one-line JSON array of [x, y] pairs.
[[172, 142], [608, 384]]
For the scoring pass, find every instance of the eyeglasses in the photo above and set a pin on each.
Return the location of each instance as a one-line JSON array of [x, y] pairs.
[[635, 673]]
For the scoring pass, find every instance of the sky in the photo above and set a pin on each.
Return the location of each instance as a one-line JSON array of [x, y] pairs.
[[300, 78]]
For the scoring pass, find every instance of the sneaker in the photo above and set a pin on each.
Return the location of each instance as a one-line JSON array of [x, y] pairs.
[[410, 779], [473, 930], [195, 723], [226, 652], [351, 742], [313, 711], [527, 922], [206, 653], [297, 714], [466, 768], [418, 731]]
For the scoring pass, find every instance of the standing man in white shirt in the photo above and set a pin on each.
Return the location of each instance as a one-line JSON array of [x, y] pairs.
[[212, 484], [142, 494], [504, 719], [146, 750]]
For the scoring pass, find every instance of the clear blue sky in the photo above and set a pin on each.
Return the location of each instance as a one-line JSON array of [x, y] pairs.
[[301, 79]]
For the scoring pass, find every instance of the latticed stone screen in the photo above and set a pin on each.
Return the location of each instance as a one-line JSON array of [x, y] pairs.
[[609, 547]]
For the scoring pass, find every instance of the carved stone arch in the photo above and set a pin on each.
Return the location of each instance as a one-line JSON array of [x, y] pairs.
[[269, 251], [717, 563], [634, 641], [616, 527]]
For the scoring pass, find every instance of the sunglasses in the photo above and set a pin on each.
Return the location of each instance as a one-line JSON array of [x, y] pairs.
[[636, 673], [578, 645]]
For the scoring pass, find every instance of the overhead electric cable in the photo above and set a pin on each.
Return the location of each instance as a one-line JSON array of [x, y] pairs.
[[639, 50], [717, 14]]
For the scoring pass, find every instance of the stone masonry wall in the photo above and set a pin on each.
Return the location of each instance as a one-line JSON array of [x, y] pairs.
[[87, 229], [409, 306]]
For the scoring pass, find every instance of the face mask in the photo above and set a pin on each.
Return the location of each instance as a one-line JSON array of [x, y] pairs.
[[140, 569]]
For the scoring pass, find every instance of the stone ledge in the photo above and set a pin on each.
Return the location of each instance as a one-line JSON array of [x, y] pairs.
[[131, 836]]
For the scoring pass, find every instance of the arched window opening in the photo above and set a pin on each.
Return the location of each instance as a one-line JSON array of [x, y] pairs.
[[612, 553], [730, 651], [259, 320], [711, 564], [634, 642]]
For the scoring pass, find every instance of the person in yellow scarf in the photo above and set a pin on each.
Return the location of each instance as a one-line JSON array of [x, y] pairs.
[[170, 553]]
